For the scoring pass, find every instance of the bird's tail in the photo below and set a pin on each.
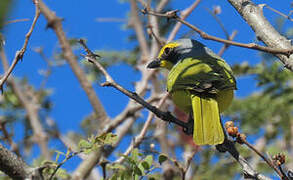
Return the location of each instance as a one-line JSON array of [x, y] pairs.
[[207, 124]]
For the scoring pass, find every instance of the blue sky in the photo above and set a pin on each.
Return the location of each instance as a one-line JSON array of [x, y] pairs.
[[70, 103]]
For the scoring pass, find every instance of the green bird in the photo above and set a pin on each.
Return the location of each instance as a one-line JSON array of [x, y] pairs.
[[200, 83]]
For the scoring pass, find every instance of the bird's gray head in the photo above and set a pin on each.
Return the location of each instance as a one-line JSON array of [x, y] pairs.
[[174, 51]]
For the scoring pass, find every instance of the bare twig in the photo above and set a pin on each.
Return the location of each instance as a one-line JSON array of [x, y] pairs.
[[161, 5], [138, 27], [226, 46], [166, 116], [19, 54], [15, 21], [204, 35], [214, 14], [48, 70], [152, 34], [278, 12], [31, 108], [13, 145], [184, 14]]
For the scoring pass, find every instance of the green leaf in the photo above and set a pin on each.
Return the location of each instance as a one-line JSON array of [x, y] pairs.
[[135, 154], [83, 144], [117, 166], [162, 158], [137, 170], [149, 160], [106, 138], [145, 165]]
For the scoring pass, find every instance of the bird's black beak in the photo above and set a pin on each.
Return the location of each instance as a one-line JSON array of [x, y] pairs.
[[154, 64]]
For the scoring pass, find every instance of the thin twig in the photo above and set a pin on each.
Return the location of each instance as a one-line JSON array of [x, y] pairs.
[[138, 27], [269, 162], [184, 14], [64, 161], [204, 35], [226, 46], [166, 116], [247, 170], [7, 136], [152, 34], [219, 22], [138, 139], [15, 21], [278, 12], [19, 54], [241, 139]]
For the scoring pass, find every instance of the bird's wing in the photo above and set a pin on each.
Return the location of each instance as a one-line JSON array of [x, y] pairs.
[[204, 76]]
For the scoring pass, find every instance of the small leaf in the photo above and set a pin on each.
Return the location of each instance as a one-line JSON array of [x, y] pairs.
[[162, 158], [137, 171], [117, 166], [145, 165], [58, 155], [67, 153], [83, 144], [142, 169], [135, 154], [149, 160]]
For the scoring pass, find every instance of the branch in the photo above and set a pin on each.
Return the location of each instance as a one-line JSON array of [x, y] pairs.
[[264, 31], [184, 14], [241, 139], [278, 12], [31, 107], [173, 15], [138, 139], [54, 22], [138, 28], [19, 54], [165, 116], [64, 161], [226, 46], [12, 165], [247, 170], [13, 146]]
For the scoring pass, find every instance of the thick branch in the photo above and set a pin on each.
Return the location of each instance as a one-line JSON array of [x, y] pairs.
[[12, 165], [264, 31]]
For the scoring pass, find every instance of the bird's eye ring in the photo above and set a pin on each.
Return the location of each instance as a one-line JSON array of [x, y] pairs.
[[167, 51]]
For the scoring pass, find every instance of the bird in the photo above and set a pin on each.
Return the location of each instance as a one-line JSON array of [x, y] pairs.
[[200, 83]]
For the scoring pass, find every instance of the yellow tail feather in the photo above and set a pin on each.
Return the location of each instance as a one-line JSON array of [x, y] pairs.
[[207, 124]]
